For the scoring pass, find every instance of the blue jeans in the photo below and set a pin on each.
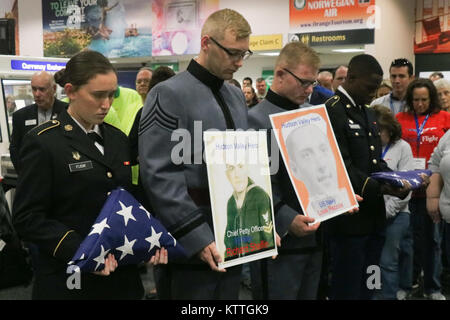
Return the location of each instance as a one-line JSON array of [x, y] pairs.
[[397, 256], [351, 257], [446, 240], [427, 245]]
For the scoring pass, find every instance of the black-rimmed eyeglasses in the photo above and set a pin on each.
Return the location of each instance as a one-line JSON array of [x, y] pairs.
[[233, 53], [303, 82]]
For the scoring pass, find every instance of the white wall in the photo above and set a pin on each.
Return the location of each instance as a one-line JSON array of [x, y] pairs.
[[264, 16], [30, 28], [395, 36]]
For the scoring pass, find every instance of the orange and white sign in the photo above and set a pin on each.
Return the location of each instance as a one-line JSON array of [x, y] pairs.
[[314, 163], [330, 15]]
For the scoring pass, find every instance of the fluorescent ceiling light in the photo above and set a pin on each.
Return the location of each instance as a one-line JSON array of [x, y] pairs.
[[270, 54], [348, 50]]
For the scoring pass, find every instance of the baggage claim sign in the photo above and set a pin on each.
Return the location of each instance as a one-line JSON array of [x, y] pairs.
[[332, 22]]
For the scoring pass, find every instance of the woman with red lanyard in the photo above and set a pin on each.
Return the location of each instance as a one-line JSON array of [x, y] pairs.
[[423, 124]]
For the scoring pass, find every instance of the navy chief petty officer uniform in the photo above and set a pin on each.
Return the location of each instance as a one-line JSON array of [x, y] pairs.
[[57, 202]]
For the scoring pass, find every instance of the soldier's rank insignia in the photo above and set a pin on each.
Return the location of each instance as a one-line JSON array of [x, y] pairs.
[[76, 155]]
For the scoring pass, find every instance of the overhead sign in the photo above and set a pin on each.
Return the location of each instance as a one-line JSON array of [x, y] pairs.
[[172, 65], [266, 42], [332, 15], [26, 65], [343, 37]]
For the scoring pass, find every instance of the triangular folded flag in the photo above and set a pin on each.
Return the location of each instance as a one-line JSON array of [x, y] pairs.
[[127, 230], [395, 178]]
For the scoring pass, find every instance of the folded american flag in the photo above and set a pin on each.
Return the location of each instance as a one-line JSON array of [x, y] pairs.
[[127, 230], [395, 178]]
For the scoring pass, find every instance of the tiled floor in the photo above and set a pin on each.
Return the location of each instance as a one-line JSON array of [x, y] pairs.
[[24, 293]]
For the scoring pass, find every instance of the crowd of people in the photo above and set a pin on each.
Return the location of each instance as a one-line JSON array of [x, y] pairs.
[[399, 123]]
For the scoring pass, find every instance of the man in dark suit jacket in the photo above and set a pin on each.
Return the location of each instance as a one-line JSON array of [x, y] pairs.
[[46, 107], [355, 240], [320, 95]]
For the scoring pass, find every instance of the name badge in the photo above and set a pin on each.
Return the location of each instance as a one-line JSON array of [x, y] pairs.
[[31, 122], [354, 126], [420, 163], [80, 166]]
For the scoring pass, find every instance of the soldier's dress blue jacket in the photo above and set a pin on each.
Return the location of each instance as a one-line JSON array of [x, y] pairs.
[[56, 204], [358, 137], [356, 240]]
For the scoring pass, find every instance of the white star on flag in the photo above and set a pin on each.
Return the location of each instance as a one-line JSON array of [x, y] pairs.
[[126, 213], [98, 227], [127, 247], [129, 241], [148, 213], [154, 239], [101, 258]]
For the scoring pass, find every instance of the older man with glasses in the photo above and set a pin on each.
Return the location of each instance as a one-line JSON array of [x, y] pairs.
[[400, 74], [175, 180], [45, 107], [143, 78]]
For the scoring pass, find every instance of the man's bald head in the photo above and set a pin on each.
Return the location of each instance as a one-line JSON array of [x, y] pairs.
[[325, 79], [44, 89]]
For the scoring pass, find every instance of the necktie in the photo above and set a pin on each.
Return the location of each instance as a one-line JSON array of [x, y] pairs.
[[95, 137]]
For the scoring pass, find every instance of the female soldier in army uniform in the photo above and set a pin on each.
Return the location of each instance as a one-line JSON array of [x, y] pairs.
[[65, 181]]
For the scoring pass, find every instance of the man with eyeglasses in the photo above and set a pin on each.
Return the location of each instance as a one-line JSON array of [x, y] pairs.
[[174, 176], [401, 74], [44, 108], [356, 240], [143, 78], [295, 273]]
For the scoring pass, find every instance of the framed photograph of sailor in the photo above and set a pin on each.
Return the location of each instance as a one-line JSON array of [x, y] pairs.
[[241, 195], [314, 163]]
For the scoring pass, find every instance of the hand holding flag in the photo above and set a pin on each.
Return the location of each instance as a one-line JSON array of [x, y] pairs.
[[125, 229], [416, 178]]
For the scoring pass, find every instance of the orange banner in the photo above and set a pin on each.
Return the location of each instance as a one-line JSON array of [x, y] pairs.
[[330, 15]]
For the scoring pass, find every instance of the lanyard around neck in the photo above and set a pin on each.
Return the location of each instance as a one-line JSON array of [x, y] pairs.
[[385, 150], [420, 130]]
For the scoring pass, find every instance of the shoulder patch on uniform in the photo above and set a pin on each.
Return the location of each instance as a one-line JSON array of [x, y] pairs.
[[333, 100], [47, 126], [160, 117]]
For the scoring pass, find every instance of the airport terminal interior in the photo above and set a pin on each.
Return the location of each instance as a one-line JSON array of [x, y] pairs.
[[41, 36]]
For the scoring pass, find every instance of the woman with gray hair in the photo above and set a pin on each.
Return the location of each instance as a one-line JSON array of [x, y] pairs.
[[443, 89]]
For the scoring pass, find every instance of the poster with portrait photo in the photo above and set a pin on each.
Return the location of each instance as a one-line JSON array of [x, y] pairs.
[[241, 195], [314, 163]]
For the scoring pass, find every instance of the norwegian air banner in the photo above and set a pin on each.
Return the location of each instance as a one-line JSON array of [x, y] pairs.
[[331, 15]]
